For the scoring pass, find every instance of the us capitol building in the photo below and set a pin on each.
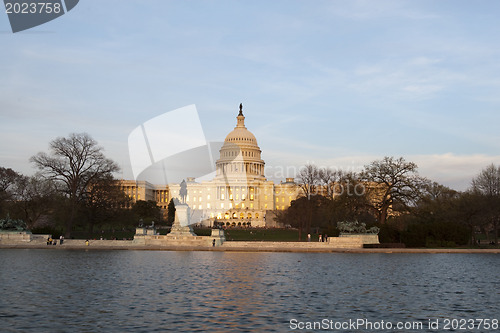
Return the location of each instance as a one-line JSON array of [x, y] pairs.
[[238, 195]]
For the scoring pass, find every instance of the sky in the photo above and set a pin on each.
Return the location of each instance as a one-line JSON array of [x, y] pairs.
[[334, 83]]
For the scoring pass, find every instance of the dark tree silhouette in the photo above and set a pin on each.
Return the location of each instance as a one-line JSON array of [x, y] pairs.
[[75, 161]]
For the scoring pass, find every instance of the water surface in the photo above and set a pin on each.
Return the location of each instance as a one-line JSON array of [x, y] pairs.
[[159, 291]]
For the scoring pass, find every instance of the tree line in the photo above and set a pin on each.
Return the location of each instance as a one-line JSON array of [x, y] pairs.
[[390, 194], [73, 190]]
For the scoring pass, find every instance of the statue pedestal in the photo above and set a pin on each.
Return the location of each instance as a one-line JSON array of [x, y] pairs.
[[141, 231], [365, 238], [218, 237], [181, 226]]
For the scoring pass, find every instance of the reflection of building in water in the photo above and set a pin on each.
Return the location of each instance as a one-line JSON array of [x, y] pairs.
[[239, 194]]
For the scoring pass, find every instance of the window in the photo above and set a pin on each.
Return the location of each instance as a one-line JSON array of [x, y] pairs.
[[277, 200], [208, 196], [208, 207], [230, 205], [251, 206], [199, 206], [265, 206], [222, 205]]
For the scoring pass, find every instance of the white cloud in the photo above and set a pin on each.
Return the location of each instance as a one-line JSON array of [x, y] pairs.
[[368, 9], [424, 61], [416, 78], [455, 171]]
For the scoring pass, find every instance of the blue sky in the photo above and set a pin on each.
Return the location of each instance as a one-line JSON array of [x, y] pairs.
[[337, 83]]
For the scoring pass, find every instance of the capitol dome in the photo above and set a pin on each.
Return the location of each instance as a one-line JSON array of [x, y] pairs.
[[240, 155], [240, 135]]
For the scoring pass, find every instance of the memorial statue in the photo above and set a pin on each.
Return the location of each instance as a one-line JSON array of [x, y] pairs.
[[241, 109], [183, 191], [355, 227], [12, 225]]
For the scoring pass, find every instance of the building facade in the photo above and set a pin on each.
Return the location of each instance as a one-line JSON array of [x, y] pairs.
[[238, 195]]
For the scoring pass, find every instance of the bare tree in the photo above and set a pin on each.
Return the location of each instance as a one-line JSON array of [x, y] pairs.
[[308, 179], [34, 197], [8, 178], [75, 161], [329, 178], [104, 202], [487, 186], [392, 183], [488, 181]]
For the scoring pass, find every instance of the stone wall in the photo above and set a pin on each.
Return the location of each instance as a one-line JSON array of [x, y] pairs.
[[176, 240], [15, 236], [333, 242], [365, 238]]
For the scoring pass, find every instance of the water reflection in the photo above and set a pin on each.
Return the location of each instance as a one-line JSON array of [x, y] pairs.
[[143, 291]]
